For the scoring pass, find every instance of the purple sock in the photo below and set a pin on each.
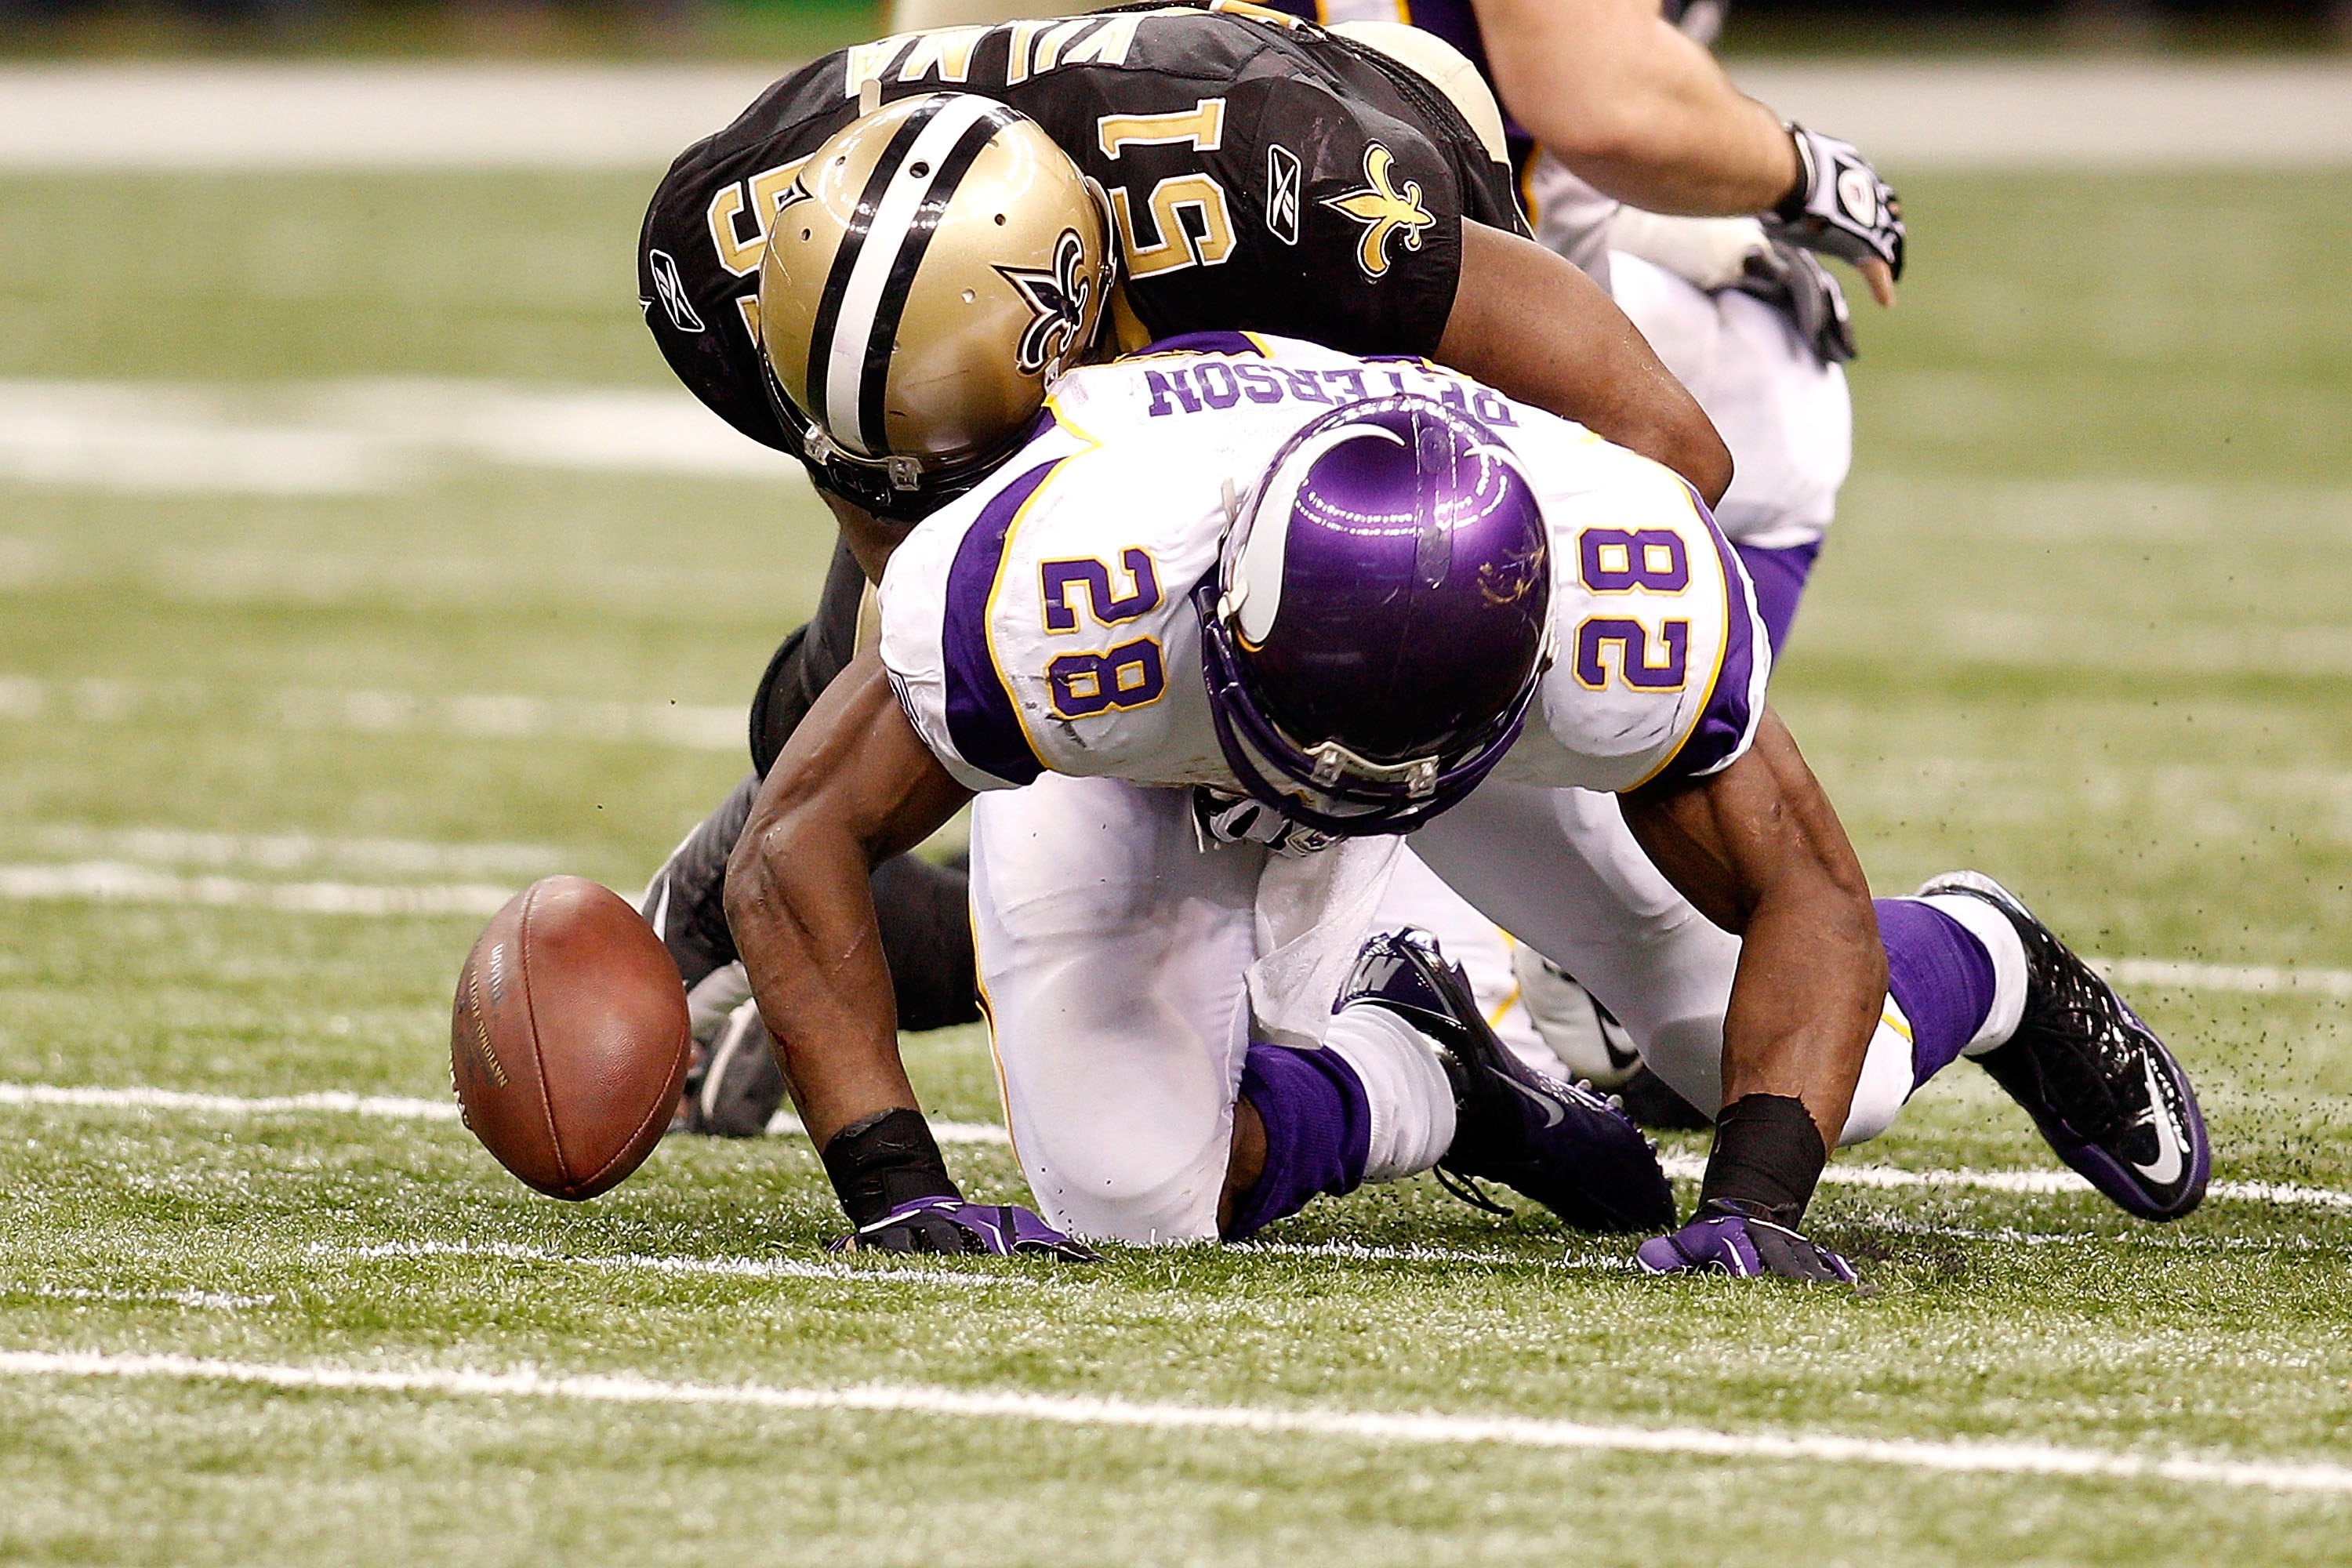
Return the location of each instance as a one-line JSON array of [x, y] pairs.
[[1941, 977], [1318, 1129], [1780, 578]]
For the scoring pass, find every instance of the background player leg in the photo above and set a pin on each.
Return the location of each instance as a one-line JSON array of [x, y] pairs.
[[734, 1086]]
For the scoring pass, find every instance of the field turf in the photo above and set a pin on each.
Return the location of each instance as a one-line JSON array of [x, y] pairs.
[[2082, 624]]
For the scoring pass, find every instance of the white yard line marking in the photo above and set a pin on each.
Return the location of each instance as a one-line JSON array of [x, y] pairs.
[[356, 437], [1689, 1167], [2256, 979], [650, 1263], [1378, 1427], [2072, 114], [333, 116], [200, 1301], [94, 1098], [1357, 1252], [710, 727], [2066, 113], [110, 881], [295, 851], [387, 1107]]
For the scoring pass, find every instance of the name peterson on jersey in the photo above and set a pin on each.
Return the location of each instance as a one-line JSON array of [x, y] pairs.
[[1044, 622]]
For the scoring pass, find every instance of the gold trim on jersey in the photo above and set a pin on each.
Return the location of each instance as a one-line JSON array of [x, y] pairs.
[[1722, 647]]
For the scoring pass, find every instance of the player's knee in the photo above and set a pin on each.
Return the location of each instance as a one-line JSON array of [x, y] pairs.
[[1111, 1190]]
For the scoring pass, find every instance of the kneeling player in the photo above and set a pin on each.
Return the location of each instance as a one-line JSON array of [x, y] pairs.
[[1436, 610]]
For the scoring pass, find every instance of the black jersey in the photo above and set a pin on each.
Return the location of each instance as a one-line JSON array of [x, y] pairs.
[[1456, 21], [1263, 175]]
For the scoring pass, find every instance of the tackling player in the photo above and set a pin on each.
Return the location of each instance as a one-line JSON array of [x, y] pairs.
[[877, 277], [1377, 598], [1749, 322]]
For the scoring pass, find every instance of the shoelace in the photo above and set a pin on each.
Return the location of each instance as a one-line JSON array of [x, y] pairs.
[[1467, 1189]]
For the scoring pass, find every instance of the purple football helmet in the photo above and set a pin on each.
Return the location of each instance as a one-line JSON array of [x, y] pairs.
[[1379, 617]]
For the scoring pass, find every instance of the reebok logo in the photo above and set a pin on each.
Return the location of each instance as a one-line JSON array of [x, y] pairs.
[[1282, 192], [671, 290]]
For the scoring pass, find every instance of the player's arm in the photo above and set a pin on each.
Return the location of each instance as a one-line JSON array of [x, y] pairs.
[[1644, 113], [854, 787], [1641, 110], [1760, 852], [1528, 323]]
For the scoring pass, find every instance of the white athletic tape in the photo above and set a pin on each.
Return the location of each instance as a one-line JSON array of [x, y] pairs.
[[1378, 1427]]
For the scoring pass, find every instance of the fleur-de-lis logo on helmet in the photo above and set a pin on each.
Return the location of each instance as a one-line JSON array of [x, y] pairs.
[[1057, 297], [1383, 210]]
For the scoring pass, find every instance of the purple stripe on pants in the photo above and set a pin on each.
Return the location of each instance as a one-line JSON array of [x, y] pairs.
[[1780, 578]]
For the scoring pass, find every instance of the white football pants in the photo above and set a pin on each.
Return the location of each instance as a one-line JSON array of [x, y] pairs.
[[1787, 417], [1115, 955]]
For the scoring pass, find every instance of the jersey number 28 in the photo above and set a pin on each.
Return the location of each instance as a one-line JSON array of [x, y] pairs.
[[1128, 675]]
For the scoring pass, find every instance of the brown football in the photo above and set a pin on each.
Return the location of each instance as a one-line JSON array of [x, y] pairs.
[[568, 1043]]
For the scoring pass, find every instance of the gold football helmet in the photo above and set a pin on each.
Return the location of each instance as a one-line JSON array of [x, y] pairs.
[[934, 264]]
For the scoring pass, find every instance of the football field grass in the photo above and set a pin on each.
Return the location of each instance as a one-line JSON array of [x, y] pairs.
[[291, 693]]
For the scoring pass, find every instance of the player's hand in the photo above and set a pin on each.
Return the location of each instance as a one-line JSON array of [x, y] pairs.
[[1724, 1238], [1792, 279], [1840, 207], [1222, 818], [953, 1226]]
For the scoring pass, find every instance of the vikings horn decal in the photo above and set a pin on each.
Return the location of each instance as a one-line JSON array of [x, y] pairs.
[[1384, 209], [1057, 299]]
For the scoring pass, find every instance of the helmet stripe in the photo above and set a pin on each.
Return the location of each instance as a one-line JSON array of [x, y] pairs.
[[874, 379], [862, 267], [845, 258]]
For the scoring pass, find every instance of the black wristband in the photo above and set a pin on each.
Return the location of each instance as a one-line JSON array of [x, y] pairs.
[[1791, 207], [1768, 1155], [885, 1159]]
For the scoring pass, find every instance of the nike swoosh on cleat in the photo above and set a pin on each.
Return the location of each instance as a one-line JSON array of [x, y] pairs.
[[1554, 1112], [2165, 1169]]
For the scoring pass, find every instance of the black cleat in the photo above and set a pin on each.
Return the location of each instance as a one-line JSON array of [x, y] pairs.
[[1559, 1144], [1651, 1102], [2104, 1092]]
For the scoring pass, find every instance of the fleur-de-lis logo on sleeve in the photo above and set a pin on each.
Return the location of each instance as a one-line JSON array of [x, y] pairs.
[[1383, 210]]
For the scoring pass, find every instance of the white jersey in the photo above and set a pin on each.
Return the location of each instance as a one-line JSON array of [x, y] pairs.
[[1046, 621]]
